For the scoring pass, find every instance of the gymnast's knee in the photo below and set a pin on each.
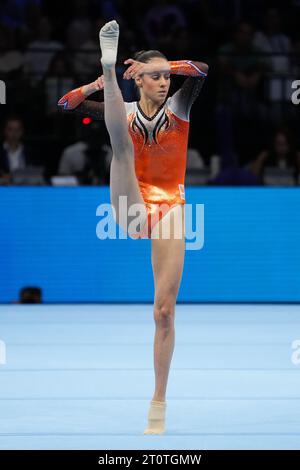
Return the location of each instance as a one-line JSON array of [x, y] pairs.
[[138, 226], [164, 312]]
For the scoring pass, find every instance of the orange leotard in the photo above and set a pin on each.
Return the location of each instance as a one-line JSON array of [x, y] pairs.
[[160, 142], [160, 148]]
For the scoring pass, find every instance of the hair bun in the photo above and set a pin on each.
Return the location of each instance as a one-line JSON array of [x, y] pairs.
[[138, 54]]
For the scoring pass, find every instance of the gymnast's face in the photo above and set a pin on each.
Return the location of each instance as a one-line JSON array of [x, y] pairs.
[[155, 85]]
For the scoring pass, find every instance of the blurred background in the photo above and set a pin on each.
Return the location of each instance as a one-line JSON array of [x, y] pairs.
[[244, 133]]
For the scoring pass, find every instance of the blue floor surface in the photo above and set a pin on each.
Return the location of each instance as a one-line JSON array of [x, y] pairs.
[[81, 377]]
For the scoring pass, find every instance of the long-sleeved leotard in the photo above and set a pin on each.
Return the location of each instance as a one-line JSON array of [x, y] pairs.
[[160, 145]]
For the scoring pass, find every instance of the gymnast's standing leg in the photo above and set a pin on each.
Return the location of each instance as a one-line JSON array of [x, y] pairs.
[[167, 263]]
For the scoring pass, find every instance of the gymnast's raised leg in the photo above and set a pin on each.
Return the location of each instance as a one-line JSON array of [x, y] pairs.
[[123, 181]]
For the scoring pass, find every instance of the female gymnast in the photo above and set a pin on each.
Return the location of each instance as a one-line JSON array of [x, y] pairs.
[[149, 142]]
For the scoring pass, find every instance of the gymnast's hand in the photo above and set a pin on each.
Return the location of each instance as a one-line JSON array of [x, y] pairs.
[[97, 85], [73, 99], [137, 68]]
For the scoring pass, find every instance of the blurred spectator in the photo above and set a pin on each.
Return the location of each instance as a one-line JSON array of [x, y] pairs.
[[30, 295], [89, 158], [14, 154], [87, 59], [194, 159], [12, 151], [277, 45], [73, 159], [272, 40], [220, 16], [79, 29], [281, 155], [11, 60], [196, 172], [57, 82], [241, 108], [41, 51], [241, 67], [162, 18]]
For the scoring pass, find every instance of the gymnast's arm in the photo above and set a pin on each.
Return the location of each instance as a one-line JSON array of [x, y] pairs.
[[190, 68], [182, 100], [75, 101]]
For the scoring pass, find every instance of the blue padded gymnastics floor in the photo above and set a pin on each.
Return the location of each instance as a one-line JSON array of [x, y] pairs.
[[81, 377]]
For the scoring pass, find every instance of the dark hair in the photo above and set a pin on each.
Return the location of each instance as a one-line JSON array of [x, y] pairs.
[[289, 137], [10, 118], [13, 117], [286, 132], [30, 295], [145, 56]]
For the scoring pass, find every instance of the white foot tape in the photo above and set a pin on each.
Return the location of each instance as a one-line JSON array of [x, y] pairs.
[[109, 37]]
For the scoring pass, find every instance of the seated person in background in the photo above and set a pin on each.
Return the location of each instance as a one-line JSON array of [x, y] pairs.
[[281, 154], [14, 154], [12, 151], [89, 158], [30, 295]]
